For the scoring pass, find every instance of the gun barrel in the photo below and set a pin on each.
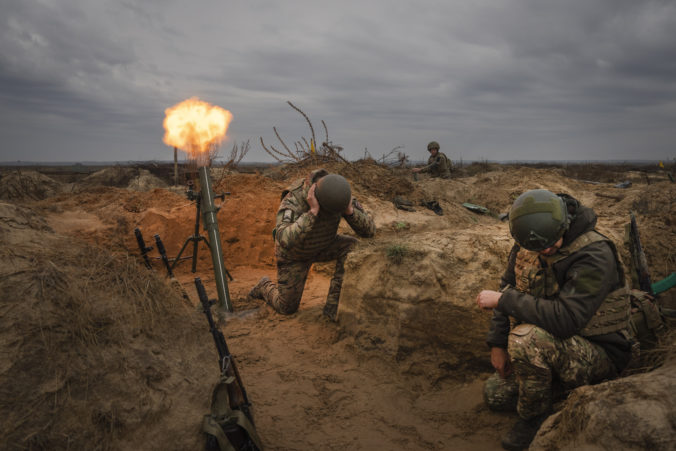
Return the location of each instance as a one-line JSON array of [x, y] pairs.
[[209, 211], [239, 393], [204, 300]]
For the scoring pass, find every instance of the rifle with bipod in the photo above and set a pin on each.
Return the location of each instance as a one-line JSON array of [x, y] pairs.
[[230, 424]]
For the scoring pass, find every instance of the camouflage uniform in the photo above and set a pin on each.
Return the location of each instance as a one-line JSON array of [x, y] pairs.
[[438, 166], [302, 239], [558, 304]]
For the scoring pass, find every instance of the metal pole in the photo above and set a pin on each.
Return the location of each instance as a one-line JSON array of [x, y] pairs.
[[176, 167], [209, 211]]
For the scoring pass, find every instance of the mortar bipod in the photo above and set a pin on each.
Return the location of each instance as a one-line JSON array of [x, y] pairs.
[[196, 237]]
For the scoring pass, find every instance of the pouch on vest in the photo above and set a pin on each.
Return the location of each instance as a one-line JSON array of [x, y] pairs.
[[292, 189], [647, 322]]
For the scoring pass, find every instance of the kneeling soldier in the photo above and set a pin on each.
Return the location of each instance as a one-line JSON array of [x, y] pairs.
[[564, 287], [307, 222]]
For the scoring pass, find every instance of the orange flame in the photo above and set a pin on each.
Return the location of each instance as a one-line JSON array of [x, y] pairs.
[[196, 127]]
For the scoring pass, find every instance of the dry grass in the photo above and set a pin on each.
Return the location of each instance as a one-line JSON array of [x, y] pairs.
[[69, 314]]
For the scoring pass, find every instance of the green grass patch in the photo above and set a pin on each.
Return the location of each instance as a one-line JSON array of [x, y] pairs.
[[396, 253]]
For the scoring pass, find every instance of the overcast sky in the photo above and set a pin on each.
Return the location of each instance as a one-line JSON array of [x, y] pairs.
[[89, 80]]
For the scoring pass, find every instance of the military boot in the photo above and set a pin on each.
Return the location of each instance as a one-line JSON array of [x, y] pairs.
[[523, 433], [331, 311], [257, 291]]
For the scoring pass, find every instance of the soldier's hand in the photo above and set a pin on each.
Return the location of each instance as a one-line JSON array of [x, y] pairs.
[[501, 362], [350, 208], [488, 299], [312, 200], [416, 170]]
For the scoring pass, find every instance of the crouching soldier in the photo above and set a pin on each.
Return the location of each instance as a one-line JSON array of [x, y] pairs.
[[438, 164], [307, 222], [564, 289]]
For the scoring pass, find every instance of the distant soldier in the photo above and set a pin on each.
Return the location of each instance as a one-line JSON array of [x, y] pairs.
[[438, 164], [564, 287], [307, 222]]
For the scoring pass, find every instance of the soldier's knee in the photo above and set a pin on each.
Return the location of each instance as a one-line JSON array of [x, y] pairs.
[[347, 244], [526, 337], [286, 305]]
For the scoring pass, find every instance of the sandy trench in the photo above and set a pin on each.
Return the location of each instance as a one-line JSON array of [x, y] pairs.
[[311, 383]]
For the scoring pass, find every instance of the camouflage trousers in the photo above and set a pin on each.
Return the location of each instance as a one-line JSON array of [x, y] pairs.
[[285, 295], [538, 357]]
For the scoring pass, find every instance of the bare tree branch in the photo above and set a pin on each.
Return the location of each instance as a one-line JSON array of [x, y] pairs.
[[307, 119], [269, 152], [282, 141], [326, 130]]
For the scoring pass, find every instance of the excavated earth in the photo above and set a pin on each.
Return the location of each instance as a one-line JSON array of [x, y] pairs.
[[99, 352]]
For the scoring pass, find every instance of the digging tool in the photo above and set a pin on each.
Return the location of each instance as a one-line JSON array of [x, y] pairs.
[[664, 284]]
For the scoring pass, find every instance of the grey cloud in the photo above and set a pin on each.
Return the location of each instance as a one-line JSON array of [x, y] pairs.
[[491, 79]]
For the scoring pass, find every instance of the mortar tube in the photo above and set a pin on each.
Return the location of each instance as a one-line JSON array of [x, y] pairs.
[[209, 211]]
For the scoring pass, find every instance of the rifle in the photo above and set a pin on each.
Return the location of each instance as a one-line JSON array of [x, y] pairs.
[[639, 263], [231, 421], [142, 246], [163, 253]]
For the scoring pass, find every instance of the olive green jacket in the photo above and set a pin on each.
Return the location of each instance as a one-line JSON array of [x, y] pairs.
[[585, 278], [438, 166]]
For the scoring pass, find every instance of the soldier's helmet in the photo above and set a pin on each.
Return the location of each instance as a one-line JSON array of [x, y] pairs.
[[537, 219], [333, 193], [433, 145]]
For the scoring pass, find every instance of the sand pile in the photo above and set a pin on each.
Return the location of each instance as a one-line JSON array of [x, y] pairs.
[[95, 348], [125, 177], [27, 185]]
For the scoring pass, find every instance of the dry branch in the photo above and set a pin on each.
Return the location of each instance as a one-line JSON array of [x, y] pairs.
[[314, 140], [326, 130], [283, 143], [305, 150], [269, 152]]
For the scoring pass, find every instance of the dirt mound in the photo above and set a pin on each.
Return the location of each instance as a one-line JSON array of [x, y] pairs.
[[366, 176], [632, 413], [414, 301], [145, 181], [27, 185], [131, 366], [123, 177], [96, 350]]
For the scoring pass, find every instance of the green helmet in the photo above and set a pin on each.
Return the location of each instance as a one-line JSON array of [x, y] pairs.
[[333, 193], [433, 145], [537, 219]]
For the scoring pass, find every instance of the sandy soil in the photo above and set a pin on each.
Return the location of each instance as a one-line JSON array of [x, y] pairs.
[[313, 384]]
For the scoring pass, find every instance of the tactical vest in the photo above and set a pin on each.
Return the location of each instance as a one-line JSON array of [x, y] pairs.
[[323, 231], [443, 170], [539, 280]]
